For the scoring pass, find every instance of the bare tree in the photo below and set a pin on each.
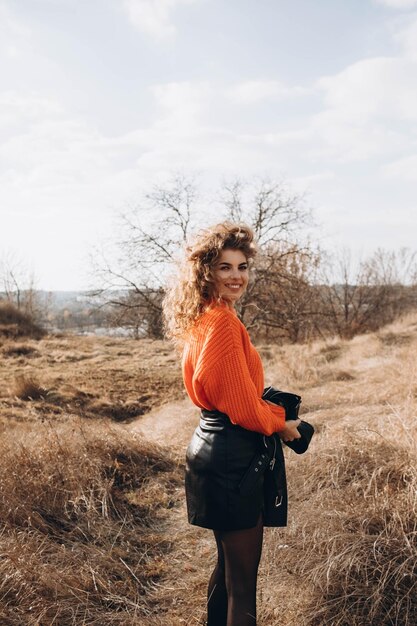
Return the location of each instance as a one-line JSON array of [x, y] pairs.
[[18, 287], [152, 235], [13, 278], [273, 210], [134, 285], [393, 267], [278, 303], [362, 298]]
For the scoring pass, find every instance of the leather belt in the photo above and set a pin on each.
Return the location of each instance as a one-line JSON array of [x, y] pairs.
[[214, 420]]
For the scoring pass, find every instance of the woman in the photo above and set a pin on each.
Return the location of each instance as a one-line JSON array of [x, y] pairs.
[[235, 477]]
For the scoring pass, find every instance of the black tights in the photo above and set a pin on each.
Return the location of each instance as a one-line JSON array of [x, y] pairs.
[[231, 598]]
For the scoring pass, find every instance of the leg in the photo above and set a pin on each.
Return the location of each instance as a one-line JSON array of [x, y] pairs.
[[242, 553], [217, 594]]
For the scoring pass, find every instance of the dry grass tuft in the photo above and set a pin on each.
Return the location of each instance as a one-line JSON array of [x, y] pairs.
[[81, 518], [19, 349], [332, 351], [118, 411], [342, 375], [395, 339], [28, 388]]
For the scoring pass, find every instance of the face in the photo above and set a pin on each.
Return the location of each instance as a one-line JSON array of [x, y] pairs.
[[231, 275]]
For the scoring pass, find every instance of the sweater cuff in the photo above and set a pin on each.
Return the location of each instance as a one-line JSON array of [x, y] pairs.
[[279, 412]]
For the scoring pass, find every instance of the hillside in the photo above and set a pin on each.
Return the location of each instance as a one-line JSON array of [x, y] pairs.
[[87, 376], [92, 506], [349, 554]]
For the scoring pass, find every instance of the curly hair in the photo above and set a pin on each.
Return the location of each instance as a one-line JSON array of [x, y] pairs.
[[193, 290]]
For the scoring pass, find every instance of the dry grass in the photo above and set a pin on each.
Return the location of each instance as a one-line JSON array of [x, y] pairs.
[[351, 545], [348, 556], [354, 541], [83, 504], [94, 525], [82, 508], [88, 376]]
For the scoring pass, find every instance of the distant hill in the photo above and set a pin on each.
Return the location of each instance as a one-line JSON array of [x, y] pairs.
[[77, 311], [74, 311]]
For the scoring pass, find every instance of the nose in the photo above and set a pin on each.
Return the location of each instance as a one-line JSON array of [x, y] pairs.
[[235, 272]]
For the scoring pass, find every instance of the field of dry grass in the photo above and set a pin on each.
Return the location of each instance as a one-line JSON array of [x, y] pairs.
[[92, 508], [91, 377]]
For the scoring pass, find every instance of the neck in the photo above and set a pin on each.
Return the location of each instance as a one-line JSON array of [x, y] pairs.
[[229, 304]]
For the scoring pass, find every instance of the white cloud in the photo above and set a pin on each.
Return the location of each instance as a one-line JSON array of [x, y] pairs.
[[154, 17], [254, 91], [10, 24], [183, 104], [367, 110], [378, 88], [407, 38], [402, 169], [54, 163], [397, 4], [18, 109], [60, 181], [13, 33], [192, 130]]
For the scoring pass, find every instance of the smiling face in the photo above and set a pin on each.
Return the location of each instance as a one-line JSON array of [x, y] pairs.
[[231, 275]]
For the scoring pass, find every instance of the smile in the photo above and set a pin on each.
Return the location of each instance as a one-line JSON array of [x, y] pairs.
[[233, 286]]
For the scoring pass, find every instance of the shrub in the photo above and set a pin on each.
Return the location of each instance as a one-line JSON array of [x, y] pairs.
[[15, 323]]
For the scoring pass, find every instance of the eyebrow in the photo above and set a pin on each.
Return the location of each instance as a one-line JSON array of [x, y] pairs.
[[230, 264]]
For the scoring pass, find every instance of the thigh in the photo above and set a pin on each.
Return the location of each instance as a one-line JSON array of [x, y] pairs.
[[220, 551], [242, 551]]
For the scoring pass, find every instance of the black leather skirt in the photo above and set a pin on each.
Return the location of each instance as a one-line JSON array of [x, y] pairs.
[[233, 475]]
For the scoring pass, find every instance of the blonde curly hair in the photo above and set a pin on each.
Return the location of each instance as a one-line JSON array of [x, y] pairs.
[[193, 290]]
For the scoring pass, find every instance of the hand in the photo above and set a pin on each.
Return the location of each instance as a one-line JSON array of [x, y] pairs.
[[290, 432]]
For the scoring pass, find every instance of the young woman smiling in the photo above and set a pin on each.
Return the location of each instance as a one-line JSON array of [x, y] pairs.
[[235, 476], [231, 275]]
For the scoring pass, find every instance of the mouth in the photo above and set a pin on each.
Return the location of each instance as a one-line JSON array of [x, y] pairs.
[[234, 287]]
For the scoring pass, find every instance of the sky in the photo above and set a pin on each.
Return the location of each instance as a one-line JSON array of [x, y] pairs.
[[101, 99]]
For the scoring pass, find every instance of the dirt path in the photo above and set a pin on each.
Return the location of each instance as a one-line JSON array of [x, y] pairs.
[[171, 424], [191, 558]]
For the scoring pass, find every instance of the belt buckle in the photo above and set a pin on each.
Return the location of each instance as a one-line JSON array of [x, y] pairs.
[[278, 500]]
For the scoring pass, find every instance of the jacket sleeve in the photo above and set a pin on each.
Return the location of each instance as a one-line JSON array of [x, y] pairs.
[[229, 387]]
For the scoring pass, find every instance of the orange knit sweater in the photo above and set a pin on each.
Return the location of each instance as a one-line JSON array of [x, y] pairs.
[[222, 370]]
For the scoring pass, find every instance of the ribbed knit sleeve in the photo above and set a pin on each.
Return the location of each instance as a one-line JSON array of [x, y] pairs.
[[223, 373]]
